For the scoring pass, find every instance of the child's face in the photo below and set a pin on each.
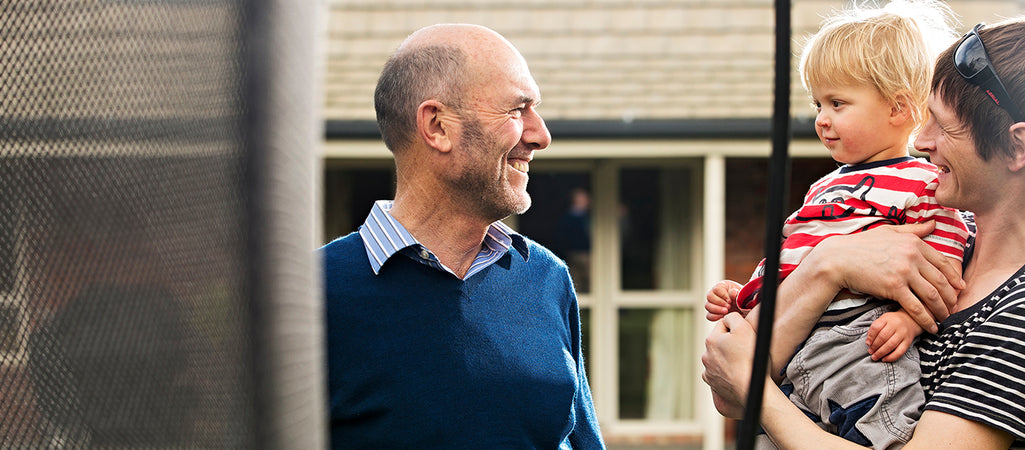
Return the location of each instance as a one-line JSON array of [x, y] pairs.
[[858, 125]]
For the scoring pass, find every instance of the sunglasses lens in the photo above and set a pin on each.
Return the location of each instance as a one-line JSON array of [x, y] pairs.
[[970, 57]]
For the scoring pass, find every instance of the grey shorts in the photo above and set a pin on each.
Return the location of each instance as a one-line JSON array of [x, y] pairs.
[[833, 379]]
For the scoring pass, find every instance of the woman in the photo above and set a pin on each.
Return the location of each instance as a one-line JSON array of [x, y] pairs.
[[974, 368]]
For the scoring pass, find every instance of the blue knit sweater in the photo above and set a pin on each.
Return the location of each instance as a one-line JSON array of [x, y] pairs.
[[418, 358]]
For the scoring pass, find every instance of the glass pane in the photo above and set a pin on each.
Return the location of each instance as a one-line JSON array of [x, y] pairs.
[[655, 225], [560, 218], [656, 359], [348, 196]]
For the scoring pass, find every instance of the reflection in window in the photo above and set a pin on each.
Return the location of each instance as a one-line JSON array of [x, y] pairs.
[[559, 218], [655, 355], [655, 228]]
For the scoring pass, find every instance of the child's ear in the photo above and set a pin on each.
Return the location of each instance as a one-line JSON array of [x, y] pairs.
[[900, 109]]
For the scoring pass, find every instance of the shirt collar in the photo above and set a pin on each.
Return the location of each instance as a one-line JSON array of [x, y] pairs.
[[872, 165], [383, 236]]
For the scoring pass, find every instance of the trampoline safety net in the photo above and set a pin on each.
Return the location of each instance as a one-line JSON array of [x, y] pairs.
[[136, 298]]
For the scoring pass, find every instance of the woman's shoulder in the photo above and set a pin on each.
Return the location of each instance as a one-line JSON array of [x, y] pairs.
[[1010, 298]]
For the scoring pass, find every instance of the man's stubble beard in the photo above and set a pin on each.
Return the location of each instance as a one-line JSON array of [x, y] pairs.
[[477, 185]]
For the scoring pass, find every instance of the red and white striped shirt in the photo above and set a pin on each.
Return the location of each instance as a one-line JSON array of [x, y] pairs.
[[856, 198]]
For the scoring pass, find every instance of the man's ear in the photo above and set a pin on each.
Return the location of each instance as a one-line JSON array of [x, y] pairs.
[[432, 126], [1018, 146]]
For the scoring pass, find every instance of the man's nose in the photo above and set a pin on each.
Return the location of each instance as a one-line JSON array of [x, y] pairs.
[[535, 132]]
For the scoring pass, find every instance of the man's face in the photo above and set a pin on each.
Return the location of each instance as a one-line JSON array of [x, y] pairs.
[[500, 130]]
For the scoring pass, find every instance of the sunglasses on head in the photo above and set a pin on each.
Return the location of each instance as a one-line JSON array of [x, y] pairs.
[[972, 62]]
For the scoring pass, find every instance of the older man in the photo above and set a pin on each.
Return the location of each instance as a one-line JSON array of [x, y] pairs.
[[445, 328]]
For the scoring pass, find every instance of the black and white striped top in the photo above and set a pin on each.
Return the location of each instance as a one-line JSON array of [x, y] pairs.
[[975, 367]]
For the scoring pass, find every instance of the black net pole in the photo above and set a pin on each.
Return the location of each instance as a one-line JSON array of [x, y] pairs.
[[779, 174]]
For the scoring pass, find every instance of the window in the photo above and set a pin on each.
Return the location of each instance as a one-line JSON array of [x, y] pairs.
[[559, 218], [635, 279], [349, 193], [655, 356]]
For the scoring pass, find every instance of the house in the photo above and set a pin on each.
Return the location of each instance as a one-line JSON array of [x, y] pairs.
[[660, 120]]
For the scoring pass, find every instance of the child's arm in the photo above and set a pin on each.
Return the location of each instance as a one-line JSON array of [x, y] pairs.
[[721, 299], [891, 335], [894, 333]]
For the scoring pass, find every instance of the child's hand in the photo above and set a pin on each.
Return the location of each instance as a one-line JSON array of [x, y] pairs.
[[891, 335], [721, 299]]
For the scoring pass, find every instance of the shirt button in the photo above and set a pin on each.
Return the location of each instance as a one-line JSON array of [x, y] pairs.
[[424, 254]]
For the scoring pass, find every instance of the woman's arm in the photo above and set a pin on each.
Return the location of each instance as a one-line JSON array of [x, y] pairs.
[[789, 428], [938, 430], [886, 262], [728, 359]]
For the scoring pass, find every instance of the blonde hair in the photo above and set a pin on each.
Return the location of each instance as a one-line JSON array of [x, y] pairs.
[[892, 48]]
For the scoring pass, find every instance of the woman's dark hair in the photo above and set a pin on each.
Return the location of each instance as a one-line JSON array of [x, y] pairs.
[[987, 122]]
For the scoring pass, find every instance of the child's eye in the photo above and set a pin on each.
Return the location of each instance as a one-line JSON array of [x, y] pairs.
[[837, 103], [816, 106]]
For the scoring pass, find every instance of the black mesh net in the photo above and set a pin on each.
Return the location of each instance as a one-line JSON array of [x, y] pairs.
[[123, 320]]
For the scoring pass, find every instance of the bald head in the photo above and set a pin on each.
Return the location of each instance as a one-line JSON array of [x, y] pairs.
[[450, 34], [436, 62], [473, 39]]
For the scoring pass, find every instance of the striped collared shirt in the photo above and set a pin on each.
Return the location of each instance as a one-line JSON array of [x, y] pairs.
[[383, 237]]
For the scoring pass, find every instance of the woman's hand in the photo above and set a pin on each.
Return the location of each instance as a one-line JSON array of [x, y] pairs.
[[729, 354], [893, 262]]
